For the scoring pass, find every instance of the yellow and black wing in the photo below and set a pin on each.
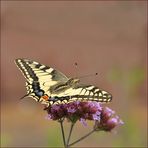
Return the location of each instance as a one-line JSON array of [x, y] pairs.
[[40, 78], [50, 86], [82, 93]]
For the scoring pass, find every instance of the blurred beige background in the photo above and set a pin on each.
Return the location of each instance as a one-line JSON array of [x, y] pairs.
[[105, 37]]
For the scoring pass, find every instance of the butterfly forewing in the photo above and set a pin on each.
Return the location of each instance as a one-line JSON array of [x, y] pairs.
[[39, 77], [45, 81], [83, 93], [34, 71]]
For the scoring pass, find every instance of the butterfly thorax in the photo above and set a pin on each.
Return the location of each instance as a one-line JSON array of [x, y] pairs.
[[72, 82]]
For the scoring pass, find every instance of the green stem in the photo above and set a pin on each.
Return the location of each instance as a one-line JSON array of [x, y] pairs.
[[82, 137], [71, 128], [62, 129]]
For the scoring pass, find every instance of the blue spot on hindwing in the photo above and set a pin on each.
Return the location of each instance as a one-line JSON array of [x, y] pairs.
[[39, 93]]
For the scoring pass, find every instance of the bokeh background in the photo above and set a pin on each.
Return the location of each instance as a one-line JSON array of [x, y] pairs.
[[105, 37]]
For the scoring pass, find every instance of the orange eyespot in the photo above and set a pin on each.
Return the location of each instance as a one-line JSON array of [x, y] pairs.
[[45, 97]]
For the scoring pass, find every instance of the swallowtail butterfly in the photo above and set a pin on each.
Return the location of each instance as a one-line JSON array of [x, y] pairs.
[[49, 86]]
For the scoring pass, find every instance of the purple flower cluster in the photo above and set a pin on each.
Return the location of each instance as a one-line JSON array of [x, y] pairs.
[[108, 120], [104, 117]]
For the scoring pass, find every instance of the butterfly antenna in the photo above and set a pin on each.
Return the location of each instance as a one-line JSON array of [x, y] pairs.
[[90, 75], [85, 76], [76, 64]]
